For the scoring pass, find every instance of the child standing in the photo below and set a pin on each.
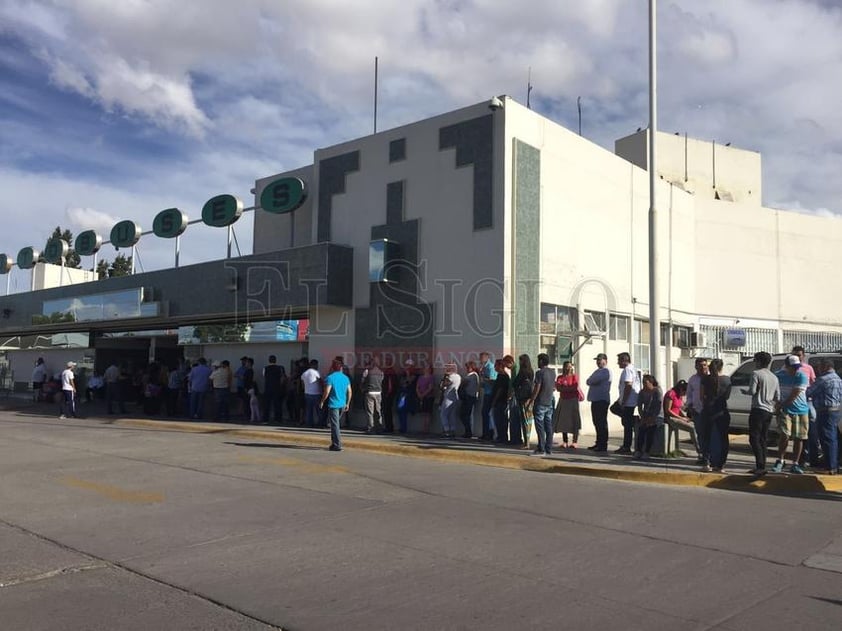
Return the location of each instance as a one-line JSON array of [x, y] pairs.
[[254, 404]]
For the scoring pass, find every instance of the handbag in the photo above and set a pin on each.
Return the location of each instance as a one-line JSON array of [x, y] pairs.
[[616, 408], [580, 394]]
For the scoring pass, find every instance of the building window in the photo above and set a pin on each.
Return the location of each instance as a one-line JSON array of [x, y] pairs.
[[598, 318], [640, 354], [618, 327], [397, 150], [681, 336], [558, 323]]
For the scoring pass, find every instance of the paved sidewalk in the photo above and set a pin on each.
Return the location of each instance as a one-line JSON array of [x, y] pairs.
[[676, 471]]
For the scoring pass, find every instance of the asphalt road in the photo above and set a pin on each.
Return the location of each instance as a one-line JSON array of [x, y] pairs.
[[109, 527]]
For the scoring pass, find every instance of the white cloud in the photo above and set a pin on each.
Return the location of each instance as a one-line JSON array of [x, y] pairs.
[[90, 219]]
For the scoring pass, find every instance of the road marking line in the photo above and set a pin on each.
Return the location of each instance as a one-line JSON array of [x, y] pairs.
[[113, 492]]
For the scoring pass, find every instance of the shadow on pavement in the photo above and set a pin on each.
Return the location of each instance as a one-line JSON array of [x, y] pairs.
[[276, 446]]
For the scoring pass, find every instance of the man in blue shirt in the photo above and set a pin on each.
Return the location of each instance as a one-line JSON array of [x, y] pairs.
[[487, 377], [793, 413], [199, 383], [337, 395], [826, 394], [599, 394]]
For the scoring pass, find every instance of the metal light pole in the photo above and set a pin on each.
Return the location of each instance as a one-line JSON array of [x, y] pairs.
[[654, 302]]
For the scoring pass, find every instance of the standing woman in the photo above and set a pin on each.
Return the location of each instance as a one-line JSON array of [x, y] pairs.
[[522, 385], [407, 396], [649, 407], [470, 393], [716, 389], [500, 397], [567, 419], [426, 393]]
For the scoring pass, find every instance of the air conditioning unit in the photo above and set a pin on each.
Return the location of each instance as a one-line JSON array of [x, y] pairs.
[[698, 340]]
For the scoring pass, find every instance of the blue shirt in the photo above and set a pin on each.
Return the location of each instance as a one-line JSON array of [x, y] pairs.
[[338, 383], [488, 372], [199, 378], [788, 383], [826, 392], [599, 385]]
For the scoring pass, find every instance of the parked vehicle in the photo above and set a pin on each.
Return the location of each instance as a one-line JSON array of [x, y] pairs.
[[740, 403]]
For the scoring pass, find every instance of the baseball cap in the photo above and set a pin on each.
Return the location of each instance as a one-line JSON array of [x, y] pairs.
[[601, 356], [792, 360], [409, 362], [71, 364], [243, 358]]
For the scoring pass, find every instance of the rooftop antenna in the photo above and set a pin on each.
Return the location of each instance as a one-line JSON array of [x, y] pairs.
[[528, 88], [375, 95], [579, 107]]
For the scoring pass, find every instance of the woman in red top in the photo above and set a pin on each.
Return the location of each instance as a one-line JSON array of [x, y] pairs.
[[566, 418]]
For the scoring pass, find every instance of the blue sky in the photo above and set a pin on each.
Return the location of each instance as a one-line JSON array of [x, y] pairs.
[[117, 110]]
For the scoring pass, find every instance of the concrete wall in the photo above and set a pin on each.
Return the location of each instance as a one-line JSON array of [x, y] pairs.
[[276, 232], [702, 167], [48, 275]]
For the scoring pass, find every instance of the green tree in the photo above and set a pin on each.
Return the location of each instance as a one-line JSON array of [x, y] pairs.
[[73, 260], [120, 266]]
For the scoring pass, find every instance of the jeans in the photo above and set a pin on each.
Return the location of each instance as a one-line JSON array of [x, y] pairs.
[[543, 415], [333, 415], [311, 409], [114, 393], [645, 437], [703, 431], [197, 401], [717, 426], [373, 410], [758, 429], [222, 396], [448, 412], [628, 426], [68, 406], [487, 427], [515, 423], [501, 420], [599, 414], [388, 412], [828, 432], [466, 414], [273, 401]]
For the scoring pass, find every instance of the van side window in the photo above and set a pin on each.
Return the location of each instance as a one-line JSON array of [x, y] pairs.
[[742, 376]]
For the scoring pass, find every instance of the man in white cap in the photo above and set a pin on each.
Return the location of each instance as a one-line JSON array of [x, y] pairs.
[[68, 390], [793, 413]]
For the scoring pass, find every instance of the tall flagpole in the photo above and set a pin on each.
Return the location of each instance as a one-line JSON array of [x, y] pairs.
[[654, 300]]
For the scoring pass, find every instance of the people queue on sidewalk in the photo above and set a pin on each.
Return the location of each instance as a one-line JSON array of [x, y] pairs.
[[511, 402]]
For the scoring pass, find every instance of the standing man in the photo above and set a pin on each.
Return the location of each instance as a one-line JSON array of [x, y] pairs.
[[372, 387], [390, 391], [242, 392], [312, 381], [273, 390], [599, 394], [221, 379], [695, 406], [765, 391], [811, 448], [337, 395], [629, 389], [39, 377], [449, 400], [542, 405], [198, 381], [488, 375], [68, 390], [826, 394], [793, 413]]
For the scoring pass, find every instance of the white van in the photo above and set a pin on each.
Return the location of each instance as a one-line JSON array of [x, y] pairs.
[[740, 404]]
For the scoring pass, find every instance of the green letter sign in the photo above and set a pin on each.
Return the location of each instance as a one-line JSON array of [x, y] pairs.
[[125, 234], [5, 264], [28, 257], [87, 243], [55, 251], [169, 223], [283, 195], [221, 211]]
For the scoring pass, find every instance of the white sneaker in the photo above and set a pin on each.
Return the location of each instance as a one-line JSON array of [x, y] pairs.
[[62, 417]]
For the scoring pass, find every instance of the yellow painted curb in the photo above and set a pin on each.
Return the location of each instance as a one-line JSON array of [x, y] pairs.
[[773, 483]]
